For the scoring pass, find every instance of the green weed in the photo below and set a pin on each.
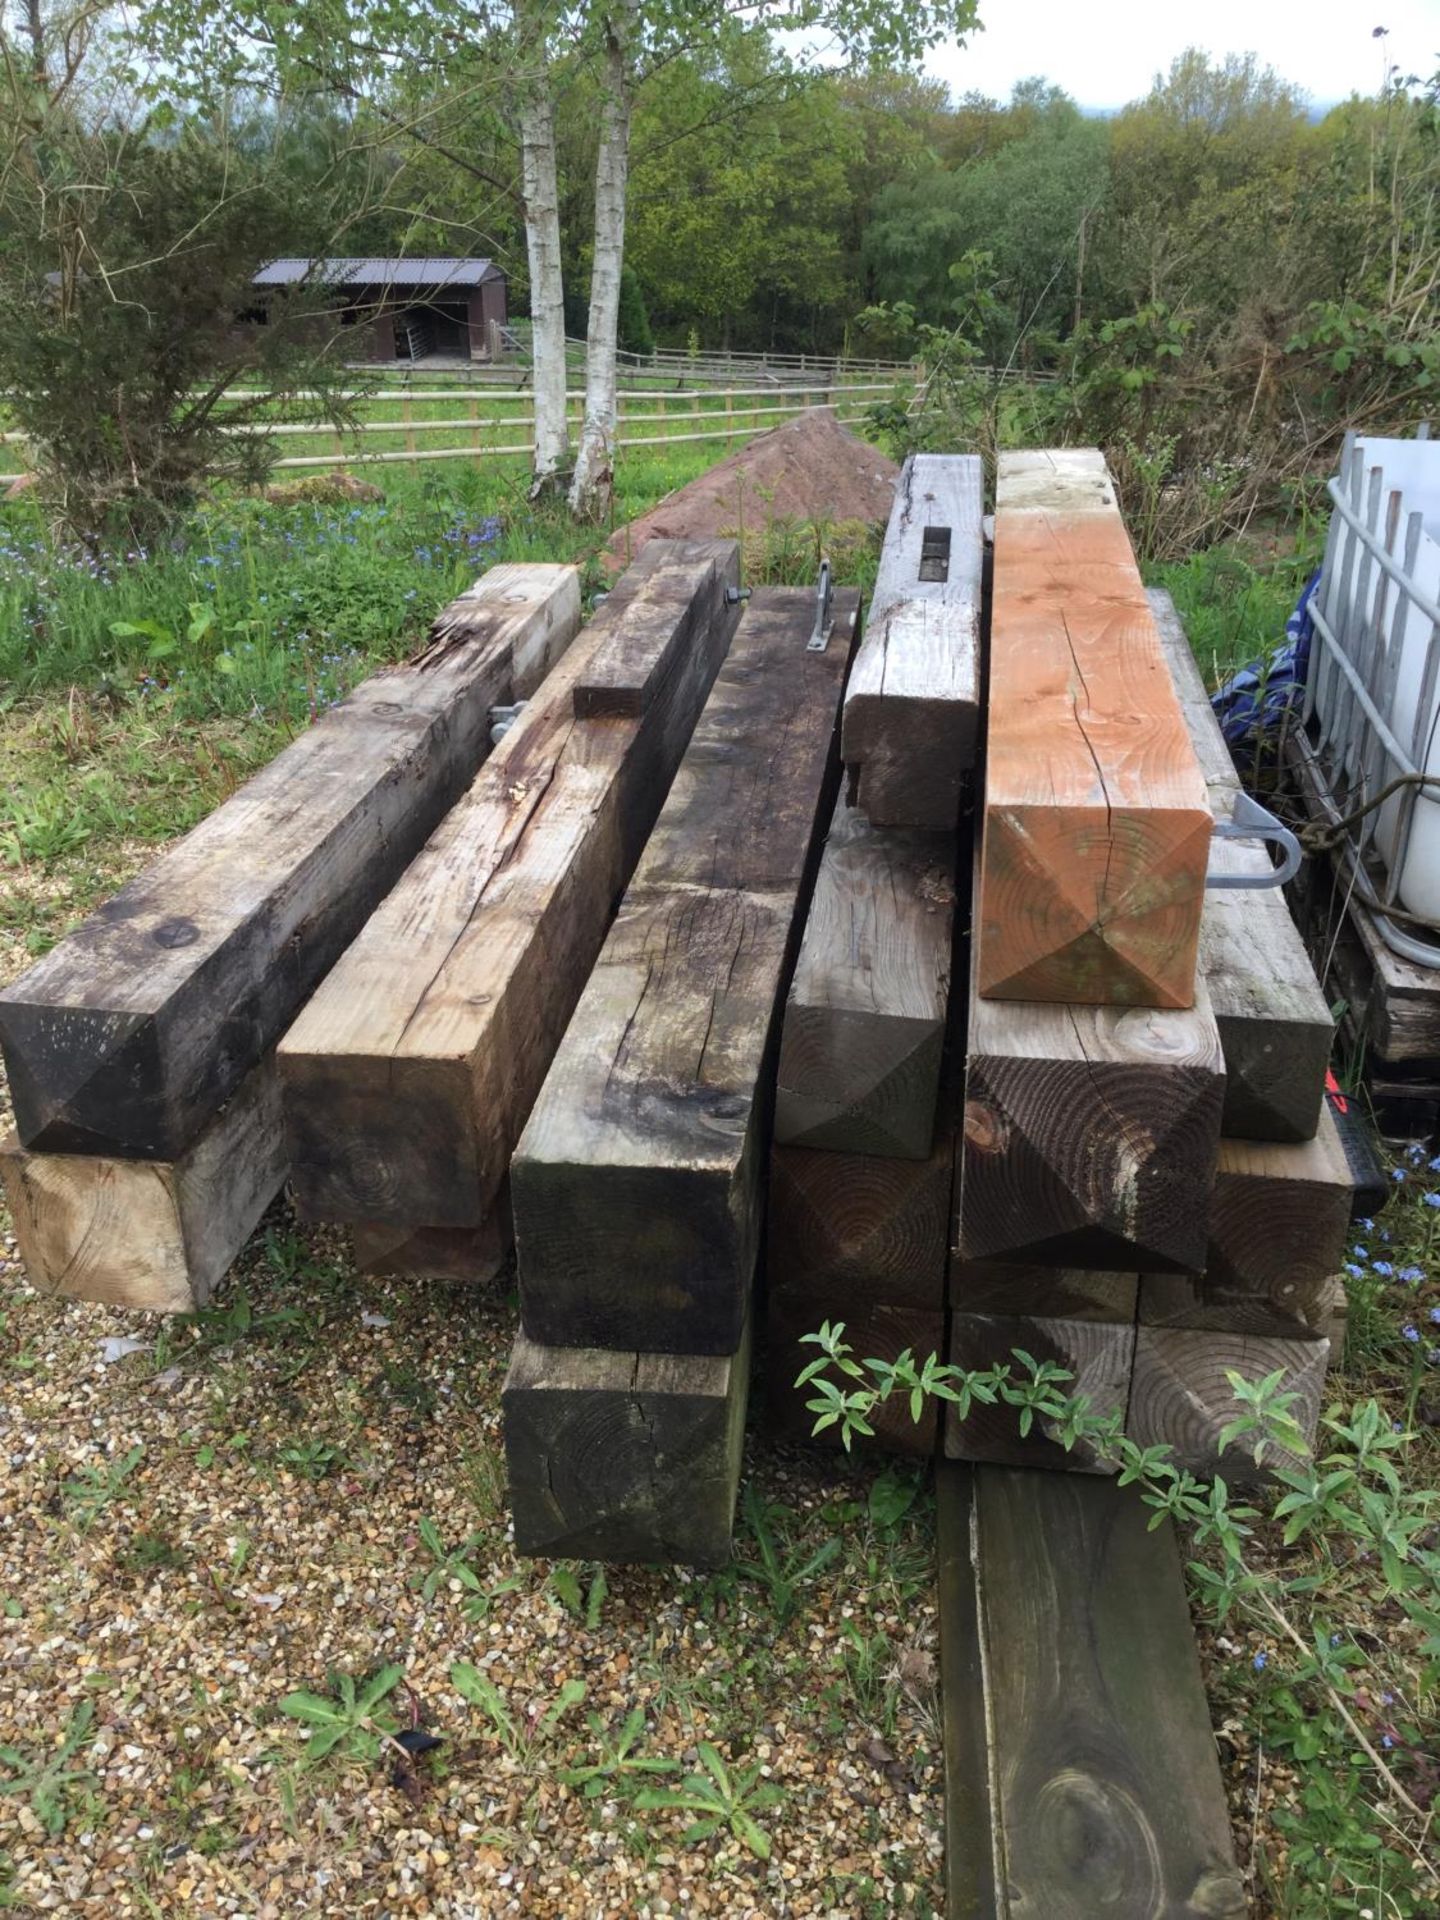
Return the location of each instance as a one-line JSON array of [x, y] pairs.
[[720, 1800], [92, 1490], [522, 1736], [47, 1779], [352, 1723]]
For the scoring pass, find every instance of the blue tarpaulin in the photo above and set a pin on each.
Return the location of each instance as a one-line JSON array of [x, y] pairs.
[[1252, 703]]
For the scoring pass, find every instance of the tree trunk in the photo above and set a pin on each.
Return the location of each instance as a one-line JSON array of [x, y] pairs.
[[539, 183], [593, 487]]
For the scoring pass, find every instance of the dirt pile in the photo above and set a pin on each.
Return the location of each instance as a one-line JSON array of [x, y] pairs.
[[809, 469]]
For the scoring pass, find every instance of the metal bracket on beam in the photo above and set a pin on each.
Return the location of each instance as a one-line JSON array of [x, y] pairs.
[[1250, 821], [824, 594]]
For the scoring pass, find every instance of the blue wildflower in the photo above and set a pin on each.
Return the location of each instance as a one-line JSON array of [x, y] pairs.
[[1354, 1272], [1260, 1659], [1410, 1333], [1432, 1199], [1411, 1274], [1365, 1226], [1383, 1268], [1435, 1316], [1397, 1173]]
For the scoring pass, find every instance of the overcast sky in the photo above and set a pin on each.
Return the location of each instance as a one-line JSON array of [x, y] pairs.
[[1105, 52]]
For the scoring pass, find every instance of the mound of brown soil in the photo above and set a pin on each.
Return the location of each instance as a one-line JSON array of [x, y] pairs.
[[811, 469]]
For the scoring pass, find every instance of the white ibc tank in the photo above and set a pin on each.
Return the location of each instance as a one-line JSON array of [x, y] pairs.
[[1411, 469]]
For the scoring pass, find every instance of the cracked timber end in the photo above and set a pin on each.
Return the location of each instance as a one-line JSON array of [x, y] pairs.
[[1097, 820], [624, 1456]]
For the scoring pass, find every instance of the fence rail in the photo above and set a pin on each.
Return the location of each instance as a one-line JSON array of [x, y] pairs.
[[737, 413]]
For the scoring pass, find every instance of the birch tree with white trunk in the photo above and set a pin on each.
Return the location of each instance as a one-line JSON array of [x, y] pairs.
[[540, 192], [593, 485]]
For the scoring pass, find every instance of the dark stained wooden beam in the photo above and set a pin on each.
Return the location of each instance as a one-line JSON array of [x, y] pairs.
[[1075, 1294], [1181, 1396], [1279, 1221], [875, 1330], [409, 1076], [853, 1228], [637, 1185], [1083, 1779], [132, 1033], [912, 707], [624, 1456], [1097, 1354], [864, 1027]]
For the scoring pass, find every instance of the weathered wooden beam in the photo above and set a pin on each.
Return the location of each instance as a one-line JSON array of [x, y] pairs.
[[475, 1255], [1097, 824], [408, 1077], [637, 1185], [913, 703], [1275, 1027], [1090, 1135], [624, 1456], [864, 1027], [874, 1330], [1097, 1354], [1279, 1221], [131, 1033], [854, 1228], [149, 1233], [978, 1287], [1083, 1779], [1181, 1396]]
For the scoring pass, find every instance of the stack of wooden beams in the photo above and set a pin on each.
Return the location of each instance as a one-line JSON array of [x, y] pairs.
[[637, 1185], [140, 1051], [863, 1152], [1151, 1191], [1128, 1167], [408, 1078]]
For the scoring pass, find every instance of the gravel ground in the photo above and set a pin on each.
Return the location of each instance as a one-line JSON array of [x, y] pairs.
[[201, 1518]]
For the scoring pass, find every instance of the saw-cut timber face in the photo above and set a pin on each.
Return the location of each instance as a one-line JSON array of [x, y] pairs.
[[1274, 1023], [1081, 1773], [1097, 825], [1279, 1221], [874, 1330], [143, 1233], [1090, 1136], [858, 1229], [864, 1029], [912, 707], [1056, 1292], [637, 1186], [128, 1037], [475, 1255], [1181, 1397], [624, 1456], [1097, 1354], [409, 1076]]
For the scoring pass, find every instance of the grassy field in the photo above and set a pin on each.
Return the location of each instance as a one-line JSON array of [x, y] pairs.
[[207, 1536]]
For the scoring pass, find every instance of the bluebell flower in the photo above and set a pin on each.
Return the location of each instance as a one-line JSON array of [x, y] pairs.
[[1415, 1153], [1410, 1333], [1432, 1199], [1354, 1272], [1386, 1741], [1334, 1639], [1411, 1274], [1260, 1659], [1384, 1269], [1365, 1225], [1361, 1253], [1397, 1173], [1435, 1316]]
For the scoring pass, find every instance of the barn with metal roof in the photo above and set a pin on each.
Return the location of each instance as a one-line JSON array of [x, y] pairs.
[[403, 308]]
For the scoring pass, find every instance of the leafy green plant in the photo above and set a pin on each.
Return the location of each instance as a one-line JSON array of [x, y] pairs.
[[92, 1489], [619, 1765], [721, 1800], [352, 1723], [586, 1605], [47, 1779], [522, 1736], [783, 1574]]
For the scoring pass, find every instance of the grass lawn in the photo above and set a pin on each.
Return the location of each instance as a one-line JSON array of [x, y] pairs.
[[247, 1558]]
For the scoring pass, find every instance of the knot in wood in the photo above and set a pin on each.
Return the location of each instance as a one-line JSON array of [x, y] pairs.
[[985, 1130]]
